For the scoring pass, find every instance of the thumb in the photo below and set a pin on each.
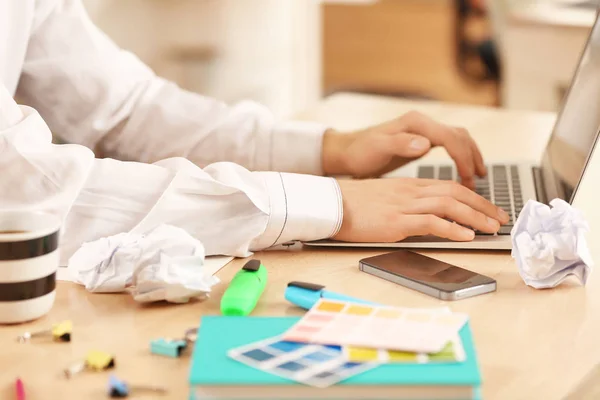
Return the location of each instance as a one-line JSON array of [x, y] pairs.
[[409, 146]]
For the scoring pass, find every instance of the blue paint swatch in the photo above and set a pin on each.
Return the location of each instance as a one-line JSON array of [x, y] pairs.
[[292, 366], [258, 355], [319, 356], [325, 375], [287, 347]]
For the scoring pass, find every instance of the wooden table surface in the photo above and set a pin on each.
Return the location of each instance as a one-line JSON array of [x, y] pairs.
[[531, 344]]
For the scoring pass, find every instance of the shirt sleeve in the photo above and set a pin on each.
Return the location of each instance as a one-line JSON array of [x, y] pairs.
[[230, 209], [91, 92]]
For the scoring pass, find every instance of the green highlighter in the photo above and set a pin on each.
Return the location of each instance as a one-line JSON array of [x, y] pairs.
[[244, 290]]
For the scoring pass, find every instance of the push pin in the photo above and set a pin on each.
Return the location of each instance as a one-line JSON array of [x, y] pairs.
[[173, 347], [119, 389], [95, 361], [60, 332]]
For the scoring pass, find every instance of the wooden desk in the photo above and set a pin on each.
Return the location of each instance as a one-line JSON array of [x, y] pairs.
[[531, 344], [541, 46]]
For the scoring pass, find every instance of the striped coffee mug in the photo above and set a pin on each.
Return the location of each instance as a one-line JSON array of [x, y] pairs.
[[29, 259]]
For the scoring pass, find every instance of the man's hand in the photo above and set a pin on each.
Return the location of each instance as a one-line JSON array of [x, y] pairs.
[[389, 210], [383, 148]]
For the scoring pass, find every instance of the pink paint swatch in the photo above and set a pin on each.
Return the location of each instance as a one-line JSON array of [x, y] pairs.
[[340, 323]]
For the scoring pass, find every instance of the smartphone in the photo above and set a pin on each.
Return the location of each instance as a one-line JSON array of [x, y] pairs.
[[427, 275]]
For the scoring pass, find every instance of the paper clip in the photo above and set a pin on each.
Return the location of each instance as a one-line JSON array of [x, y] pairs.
[[60, 332], [191, 335], [119, 389], [168, 347], [95, 361], [173, 347]]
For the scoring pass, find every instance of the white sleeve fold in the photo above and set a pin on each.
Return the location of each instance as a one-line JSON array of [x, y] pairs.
[[231, 210]]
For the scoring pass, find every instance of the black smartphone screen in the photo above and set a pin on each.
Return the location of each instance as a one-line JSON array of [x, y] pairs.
[[426, 270]]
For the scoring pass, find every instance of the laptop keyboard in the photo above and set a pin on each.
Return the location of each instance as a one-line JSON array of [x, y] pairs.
[[502, 186]]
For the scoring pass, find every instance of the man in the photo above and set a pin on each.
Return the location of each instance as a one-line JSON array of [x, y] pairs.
[[96, 96]]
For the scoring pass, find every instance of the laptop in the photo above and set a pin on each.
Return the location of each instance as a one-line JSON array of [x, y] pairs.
[[510, 185]]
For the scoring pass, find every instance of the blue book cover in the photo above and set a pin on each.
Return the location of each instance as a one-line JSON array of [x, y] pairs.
[[211, 366]]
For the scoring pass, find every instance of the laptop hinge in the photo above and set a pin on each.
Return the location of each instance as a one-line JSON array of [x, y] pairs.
[[540, 189]]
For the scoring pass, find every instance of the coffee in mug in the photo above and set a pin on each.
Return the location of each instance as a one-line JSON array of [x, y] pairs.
[[29, 259]]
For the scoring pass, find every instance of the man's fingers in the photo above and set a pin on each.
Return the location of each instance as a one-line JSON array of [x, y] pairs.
[[421, 225], [449, 207], [456, 141], [430, 182], [480, 168], [458, 146], [467, 197], [420, 124], [468, 182], [408, 145]]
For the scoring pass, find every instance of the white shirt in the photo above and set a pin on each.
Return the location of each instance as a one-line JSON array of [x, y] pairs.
[[96, 96]]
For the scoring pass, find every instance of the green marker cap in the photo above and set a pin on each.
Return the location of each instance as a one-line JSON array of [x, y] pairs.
[[244, 290]]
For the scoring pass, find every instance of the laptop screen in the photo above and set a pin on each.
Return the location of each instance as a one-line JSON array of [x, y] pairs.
[[577, 124]]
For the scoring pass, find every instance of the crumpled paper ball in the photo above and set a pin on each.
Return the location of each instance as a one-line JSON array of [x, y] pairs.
[[166, 263], [549, 244]]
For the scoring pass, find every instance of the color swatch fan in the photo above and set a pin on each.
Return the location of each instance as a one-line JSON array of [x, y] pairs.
[[332, 322], [314, 365]]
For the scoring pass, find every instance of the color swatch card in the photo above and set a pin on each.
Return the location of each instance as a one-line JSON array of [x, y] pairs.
[[453, 352], [332, 322], [314, 365]]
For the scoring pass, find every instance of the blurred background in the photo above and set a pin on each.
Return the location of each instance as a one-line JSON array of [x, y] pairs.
[[288, 54]]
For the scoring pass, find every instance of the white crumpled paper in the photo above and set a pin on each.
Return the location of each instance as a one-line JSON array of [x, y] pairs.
[[163, 264], [549, 244]]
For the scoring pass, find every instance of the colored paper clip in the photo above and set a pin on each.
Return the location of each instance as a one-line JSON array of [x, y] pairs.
[[120, 389], [191, 335], [173, 347], [168, 347], [60, 332], [94, 360]]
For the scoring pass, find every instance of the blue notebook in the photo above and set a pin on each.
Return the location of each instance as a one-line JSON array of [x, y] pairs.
[[213, 375]]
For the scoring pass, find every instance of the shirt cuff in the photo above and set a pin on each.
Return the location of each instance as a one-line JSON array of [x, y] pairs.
[[302, 208], [297, 147]]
